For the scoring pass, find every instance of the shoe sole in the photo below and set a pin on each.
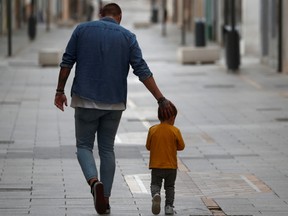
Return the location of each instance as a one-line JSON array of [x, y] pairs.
[[156, 201], [99, 202]]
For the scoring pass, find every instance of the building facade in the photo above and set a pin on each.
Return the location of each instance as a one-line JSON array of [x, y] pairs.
[[54, 11], [261, 24]]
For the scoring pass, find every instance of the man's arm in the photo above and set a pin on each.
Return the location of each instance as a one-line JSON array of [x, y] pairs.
[[151, 85], [164, 104], [60, 97]]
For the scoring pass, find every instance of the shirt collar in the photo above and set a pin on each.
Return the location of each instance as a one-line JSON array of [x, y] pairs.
[[109, 19]]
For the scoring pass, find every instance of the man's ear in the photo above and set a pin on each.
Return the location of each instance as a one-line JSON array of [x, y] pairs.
[[119, 18]]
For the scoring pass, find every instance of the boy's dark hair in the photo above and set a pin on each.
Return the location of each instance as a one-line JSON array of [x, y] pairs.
[[162, 118], [111, 9]]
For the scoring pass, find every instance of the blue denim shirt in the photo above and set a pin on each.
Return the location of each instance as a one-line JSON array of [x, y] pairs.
[[103, 52]]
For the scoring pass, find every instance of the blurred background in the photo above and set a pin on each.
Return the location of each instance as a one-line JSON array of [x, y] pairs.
[[240, 28], [234, 121]]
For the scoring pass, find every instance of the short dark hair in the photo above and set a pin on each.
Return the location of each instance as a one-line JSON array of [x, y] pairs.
[[111, 9], [162, 118]]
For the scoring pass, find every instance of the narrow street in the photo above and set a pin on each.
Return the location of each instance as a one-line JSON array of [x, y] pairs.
[[234, 126]]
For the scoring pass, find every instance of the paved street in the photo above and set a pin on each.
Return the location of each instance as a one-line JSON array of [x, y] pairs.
[[234, 126]]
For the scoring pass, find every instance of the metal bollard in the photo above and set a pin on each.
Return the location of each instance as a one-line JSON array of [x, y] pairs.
[[32, 27], [200, 39], [232, 48]]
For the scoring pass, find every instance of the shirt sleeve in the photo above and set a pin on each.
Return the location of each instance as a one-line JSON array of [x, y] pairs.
[[70, 54], [139, 65]]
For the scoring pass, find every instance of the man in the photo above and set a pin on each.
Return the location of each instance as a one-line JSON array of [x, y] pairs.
[[103, 52]]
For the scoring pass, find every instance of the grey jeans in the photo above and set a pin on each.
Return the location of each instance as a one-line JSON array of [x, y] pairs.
[[169, 177]]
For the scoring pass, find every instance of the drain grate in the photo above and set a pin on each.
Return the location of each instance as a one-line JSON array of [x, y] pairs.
[[220, 86], [3, 142], [22, 64], [280, 86], [282, 119], [269, 109], [10, 103], [15, 189], [141, 120], [190, 74], [32, 84], [220, 156]]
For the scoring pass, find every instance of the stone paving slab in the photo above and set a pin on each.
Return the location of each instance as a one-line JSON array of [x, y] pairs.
[[233, 125]]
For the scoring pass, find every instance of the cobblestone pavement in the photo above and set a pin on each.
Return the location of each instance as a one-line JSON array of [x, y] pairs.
[[234, 125]]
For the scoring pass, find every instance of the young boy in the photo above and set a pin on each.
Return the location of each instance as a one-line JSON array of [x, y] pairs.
[[163, 141]]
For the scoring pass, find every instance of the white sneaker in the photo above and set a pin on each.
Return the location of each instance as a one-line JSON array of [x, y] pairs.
[[156, 204], [169, 210]]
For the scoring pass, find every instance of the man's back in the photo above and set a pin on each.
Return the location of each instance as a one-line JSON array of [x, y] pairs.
[[104, 43], [101, 50]]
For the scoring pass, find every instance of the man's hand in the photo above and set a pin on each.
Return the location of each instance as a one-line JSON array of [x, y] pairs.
[[60, 97], [165, 107], [60, 101]]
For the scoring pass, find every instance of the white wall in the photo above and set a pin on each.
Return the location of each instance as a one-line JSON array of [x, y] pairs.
[[284, 37], [251, 27]]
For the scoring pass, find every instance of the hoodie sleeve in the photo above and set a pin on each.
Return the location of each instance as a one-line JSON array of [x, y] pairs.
[[180, 141], [148, 140]]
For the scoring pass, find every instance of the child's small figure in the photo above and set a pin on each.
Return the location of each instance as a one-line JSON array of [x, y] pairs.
[[163, 141]]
